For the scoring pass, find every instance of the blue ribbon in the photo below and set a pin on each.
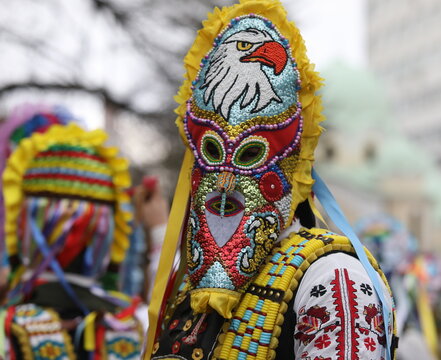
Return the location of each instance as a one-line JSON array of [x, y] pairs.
[[105, 246], [335, 213], [46, 252]]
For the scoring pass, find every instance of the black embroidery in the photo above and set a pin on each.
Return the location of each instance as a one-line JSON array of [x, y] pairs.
[[318, 290], [366, 288]]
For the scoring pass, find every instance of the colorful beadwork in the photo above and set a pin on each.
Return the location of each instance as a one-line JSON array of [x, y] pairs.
[[43, 177], [255, 326], [279, 141], [123, 345], [252, 153], [231, 78], [271, 186], [39, 332]]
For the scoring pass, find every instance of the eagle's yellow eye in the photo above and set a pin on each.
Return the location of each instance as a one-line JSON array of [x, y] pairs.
[[244, 45]]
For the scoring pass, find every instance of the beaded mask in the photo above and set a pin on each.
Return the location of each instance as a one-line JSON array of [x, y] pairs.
[[243, 123]]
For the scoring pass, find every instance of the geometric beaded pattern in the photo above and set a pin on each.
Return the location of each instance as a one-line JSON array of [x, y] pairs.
[[42, 331], [123, 345], [70, 170], [256, 324]]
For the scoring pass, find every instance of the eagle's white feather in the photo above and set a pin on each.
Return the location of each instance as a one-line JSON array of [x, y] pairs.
[[227, 78]]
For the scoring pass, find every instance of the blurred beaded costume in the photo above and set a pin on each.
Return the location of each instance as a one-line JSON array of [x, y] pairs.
[[249, 115], [415, 279], [66, 229]]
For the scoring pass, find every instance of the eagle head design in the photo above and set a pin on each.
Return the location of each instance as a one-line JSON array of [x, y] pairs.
[[236, 71]]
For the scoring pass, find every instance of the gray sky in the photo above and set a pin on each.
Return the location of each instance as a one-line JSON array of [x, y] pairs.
[[331, 29]]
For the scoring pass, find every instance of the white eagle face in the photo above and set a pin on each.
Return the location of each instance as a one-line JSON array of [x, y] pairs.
[[235, 71]]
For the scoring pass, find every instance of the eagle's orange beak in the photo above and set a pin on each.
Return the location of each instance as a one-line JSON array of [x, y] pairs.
[[271, 54]]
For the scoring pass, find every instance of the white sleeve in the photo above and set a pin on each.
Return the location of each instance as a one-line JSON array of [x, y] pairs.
[[338, 314]]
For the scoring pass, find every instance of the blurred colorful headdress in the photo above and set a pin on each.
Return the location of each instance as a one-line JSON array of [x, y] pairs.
[[392, 245], [23, 121], [67, 162]]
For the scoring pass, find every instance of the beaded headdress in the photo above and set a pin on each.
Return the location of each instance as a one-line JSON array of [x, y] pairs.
[[249, 114], [67, 163]]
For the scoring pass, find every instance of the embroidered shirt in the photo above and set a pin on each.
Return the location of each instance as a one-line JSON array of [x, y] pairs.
[[338, 314]]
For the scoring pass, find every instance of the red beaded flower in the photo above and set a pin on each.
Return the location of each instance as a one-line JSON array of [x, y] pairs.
[[271, 186]]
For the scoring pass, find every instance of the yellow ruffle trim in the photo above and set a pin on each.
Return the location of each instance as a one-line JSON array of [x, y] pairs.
[[70, 134], [221, 300], [311, 81]]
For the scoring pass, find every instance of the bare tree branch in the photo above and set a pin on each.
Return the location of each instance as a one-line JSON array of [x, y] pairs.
[[78, 87]]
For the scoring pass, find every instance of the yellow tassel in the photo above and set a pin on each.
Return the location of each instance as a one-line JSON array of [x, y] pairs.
[[315, 211], [89, 332]]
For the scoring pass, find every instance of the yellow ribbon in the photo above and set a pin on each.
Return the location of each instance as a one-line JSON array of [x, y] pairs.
[[89, 332], [171, 240], [316, 212], [427, 320], [2, 333]]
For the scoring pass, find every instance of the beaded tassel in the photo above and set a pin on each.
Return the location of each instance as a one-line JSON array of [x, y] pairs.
[[223, 201]]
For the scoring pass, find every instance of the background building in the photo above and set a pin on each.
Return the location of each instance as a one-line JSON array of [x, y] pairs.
[[404, 50]]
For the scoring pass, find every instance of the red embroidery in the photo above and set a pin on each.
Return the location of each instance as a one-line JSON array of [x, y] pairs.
[[306, 356], [343, 329], [311, 323], [374, 319], [346, 311], [370, 344], [322, 342]]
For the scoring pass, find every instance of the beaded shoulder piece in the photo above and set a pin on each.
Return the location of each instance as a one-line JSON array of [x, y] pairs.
[[39, 333], [124, 342], [255, 327]]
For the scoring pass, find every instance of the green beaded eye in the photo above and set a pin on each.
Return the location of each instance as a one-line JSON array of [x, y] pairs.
[[252, 153], [212, 149]]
